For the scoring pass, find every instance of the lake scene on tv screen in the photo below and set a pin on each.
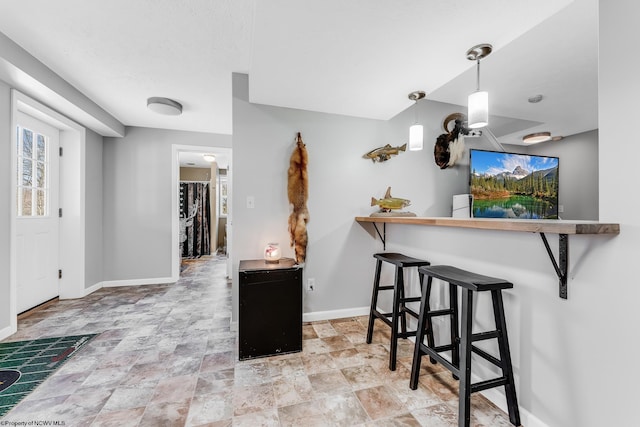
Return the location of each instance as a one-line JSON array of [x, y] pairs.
[[509, 185]]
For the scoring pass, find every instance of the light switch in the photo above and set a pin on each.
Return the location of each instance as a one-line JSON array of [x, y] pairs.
[[251, 202]]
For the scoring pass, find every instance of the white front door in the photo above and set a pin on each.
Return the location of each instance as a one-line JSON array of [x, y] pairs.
[[37, 223]]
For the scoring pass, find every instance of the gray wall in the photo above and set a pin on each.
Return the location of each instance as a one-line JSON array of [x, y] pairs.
[[578, 173], [137, 200], [340, 250], [5, 206], [339, 188], [93, 210]]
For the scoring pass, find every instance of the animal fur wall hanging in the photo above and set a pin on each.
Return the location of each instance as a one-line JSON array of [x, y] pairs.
[[450, 145], [297, 190]]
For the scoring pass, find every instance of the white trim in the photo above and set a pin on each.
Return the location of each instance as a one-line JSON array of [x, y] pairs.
[[7, 332], [499, 399], [92, 289], [72, 200], [334, 314], [138, 282], [176, 149], [323, 315]]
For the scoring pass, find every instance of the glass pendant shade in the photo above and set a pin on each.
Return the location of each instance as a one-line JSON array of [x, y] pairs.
[[415, 138], [478, 109]]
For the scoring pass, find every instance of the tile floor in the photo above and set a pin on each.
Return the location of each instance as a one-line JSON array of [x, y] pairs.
[[166, 356]]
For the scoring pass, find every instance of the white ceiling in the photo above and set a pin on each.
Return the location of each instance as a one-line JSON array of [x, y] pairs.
[[356, 57]]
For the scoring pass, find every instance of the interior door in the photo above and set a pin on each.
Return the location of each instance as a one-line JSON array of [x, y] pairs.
[[37, 220]]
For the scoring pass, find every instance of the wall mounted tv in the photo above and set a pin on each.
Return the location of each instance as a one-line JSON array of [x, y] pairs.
[[510, 185]]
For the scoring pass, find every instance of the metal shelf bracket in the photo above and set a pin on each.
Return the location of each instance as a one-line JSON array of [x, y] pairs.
[[562, 268], [382, 236]]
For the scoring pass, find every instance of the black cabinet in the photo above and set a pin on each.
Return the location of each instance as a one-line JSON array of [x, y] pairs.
[[270, 308]]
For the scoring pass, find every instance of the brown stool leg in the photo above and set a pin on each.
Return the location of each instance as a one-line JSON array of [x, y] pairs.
[[374, 301], [505, 357], [464, 394]]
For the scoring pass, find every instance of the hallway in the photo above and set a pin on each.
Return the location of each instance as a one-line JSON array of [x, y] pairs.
[[166, 356]]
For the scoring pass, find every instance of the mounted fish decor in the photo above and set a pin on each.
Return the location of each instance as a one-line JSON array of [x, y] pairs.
[[388, 204], [382, 154], [450, 145], [298, 193]]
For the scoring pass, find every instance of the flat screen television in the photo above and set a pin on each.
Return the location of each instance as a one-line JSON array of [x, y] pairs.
[[510, 185]]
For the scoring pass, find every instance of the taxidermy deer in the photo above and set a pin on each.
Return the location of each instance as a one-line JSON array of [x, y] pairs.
[[298, 192]]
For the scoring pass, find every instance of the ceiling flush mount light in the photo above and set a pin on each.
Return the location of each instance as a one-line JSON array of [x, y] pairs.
[[209, 157], [535, 99], [164, 106], [478, 115], [534, 138], [415, 131]]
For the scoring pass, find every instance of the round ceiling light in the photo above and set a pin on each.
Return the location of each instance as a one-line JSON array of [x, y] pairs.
[[165, 106], [209, 157], [534, 138], [535, 99]]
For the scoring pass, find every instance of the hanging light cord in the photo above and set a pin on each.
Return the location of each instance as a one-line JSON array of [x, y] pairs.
[[478, 75]]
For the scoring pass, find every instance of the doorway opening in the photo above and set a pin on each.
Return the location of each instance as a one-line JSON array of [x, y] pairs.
[[201, 202]]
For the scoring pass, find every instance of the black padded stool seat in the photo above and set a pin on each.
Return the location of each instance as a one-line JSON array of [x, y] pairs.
[[399, 309], [461, 345]]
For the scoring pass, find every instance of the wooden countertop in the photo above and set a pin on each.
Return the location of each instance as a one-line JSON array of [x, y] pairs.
[[557, 226]]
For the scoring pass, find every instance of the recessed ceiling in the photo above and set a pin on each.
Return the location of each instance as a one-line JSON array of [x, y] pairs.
[[358, 58]]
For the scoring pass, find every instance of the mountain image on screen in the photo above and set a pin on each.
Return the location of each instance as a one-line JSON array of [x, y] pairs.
[[509, 185]]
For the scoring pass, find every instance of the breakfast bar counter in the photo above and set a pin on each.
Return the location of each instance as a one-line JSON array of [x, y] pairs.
[[561, 227]]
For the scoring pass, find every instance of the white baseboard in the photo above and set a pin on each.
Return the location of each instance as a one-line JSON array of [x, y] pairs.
[[499, 399], [7, 332], [137, 282], [324, 315], [92, 289], [334, 314]]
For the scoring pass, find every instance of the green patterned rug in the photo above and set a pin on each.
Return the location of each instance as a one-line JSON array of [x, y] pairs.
[[26, 364]]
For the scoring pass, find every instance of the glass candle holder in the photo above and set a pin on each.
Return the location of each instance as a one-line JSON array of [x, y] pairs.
[[272, 253]]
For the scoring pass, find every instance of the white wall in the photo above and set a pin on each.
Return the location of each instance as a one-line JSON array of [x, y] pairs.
[[137, 200]]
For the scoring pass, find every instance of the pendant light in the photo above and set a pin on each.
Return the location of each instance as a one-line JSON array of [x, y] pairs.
[[415, 131], [478, 114]]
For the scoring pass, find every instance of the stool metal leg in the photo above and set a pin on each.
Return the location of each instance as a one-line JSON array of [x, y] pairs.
[[374, 301], [464, 394], [505, 357], [422, 328]]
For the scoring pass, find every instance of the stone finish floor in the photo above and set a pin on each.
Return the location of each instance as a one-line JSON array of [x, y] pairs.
[[166, 356]]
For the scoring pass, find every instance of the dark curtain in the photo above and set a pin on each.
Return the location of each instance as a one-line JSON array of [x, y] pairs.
[[195, 219]]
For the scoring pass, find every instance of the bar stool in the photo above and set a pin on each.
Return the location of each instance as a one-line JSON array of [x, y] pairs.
[[399, 309], [461, 346]]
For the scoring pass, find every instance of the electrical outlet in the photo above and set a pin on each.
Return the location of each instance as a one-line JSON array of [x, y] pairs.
[[311, 284], [251, 202], [560, 209]]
